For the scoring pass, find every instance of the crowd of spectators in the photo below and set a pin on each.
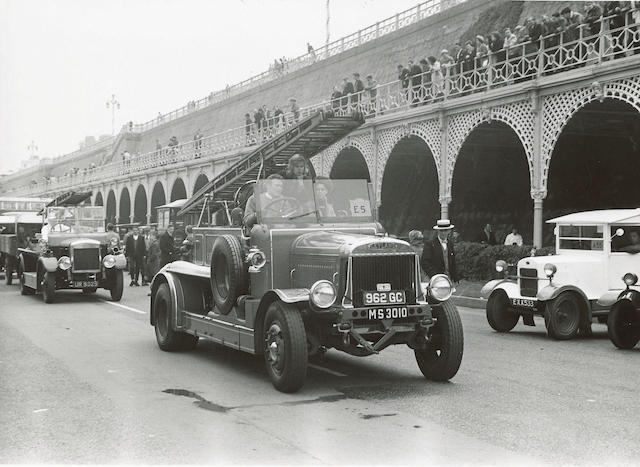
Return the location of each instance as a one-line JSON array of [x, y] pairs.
[[262, 122]]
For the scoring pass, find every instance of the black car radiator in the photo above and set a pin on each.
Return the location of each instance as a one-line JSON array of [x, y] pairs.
[[528, 282], [86, 259], [397, 270]]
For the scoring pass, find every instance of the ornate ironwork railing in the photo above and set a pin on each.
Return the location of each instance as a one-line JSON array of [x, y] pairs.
[[525, 61]]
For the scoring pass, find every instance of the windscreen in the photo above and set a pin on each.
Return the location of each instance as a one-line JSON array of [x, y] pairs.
[[307, 201], [74, 219]]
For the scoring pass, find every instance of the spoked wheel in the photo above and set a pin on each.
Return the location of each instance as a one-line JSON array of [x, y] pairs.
[[441, 359], [562, 316], [117, 286], [49, 287], [285, 349], [499, 316], [168, 338], [624, 325], [8, 271]]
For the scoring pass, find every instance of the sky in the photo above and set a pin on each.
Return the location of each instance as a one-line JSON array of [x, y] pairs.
[[62, 60]]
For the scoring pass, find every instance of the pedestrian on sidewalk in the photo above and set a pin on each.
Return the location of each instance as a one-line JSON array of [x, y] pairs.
[[438, 256]]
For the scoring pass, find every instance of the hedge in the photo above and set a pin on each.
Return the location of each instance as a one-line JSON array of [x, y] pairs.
[[477, 261]]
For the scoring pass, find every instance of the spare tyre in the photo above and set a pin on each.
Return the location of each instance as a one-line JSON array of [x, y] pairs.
[[229, 274]]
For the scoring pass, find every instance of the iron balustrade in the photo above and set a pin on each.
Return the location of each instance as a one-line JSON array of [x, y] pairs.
[[516, 64]]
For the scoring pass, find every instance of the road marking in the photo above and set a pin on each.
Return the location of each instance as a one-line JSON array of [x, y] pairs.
[[135, 310], [331, 372], [40, 410]]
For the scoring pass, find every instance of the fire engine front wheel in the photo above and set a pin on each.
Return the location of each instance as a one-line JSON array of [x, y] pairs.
[[499, 316], [8, 271], [285, 351], [168, 338], [117, 286], [562, 316], [49, 287], [624, 325], [441, 359]]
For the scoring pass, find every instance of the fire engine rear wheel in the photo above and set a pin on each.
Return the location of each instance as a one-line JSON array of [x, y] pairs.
[[499, 316], [117, 286], [168, 338], [624, 325], [228, 273], [441, 359], [562, 316], [49, 287], [24, 290], [285, 351], [8, 271]]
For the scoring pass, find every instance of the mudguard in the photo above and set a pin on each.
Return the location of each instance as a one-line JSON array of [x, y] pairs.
[[121, 261], [49, 264], [290, 295], [164, 277], [551, 291], [494, 284], [613, 296]]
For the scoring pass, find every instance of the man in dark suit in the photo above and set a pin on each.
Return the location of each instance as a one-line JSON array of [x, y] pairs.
[[487, 236], [136, 250], [438, 256], [166, 246]]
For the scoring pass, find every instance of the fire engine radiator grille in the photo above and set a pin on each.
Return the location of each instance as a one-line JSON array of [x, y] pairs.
[[86, 259], [368, 271], [528, 287]]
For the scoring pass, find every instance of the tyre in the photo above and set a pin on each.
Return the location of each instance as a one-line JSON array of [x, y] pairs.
[[285, 350], [167, 337], [441, 359], [562, 316], [89, 290], [117, 286], [624, 325], [8, 271], [229, 275], [49, 287], [24, 290], [499, 316]]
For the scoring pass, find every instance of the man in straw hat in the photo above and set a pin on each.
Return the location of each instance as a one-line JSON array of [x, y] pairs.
[[438, 256]]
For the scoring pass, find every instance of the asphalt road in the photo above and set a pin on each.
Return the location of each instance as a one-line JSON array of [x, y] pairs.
[[83, 381]]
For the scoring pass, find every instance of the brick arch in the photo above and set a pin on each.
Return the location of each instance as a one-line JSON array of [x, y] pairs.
[[428, 131], [558, 109], [516, 116]]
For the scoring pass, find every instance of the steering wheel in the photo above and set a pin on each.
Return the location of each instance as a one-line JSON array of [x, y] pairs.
[[281, 205]]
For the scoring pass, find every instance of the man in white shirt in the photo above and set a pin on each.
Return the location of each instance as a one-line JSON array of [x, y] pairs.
[[514, 238]]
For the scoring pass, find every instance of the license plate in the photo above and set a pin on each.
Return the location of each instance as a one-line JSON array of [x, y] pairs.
[[84, 284], [393, 297], [522, 302], [388, 313]]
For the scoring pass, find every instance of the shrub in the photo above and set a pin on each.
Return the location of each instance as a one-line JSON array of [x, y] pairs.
[[477, 261]]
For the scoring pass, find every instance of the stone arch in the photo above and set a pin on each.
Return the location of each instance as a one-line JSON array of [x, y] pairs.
[[124, 208], [178, 190], [98, 201], [516, 115], [201, 181], [409, 195], [429, 131], [140, 207], [158, 198], [323, 163], [491, 183], [350, 164], [111, 206], [558, 109]]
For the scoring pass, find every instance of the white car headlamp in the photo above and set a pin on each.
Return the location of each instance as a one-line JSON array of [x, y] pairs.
[[64, 263], [630, 279], [323, 294], [109, 261], [501, 265], [440, 287], [550, 270]]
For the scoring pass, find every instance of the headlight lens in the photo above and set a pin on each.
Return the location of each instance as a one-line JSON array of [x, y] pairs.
[[501, 265], [323, 294], [550, 269], [630, 278], [109, 261], [440, 287], [256, 258], [64, 263]]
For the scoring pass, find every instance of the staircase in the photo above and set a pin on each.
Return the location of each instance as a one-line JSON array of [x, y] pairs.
[[309, 137]]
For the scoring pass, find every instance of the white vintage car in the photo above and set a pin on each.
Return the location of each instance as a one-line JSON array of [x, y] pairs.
[[594, 250]]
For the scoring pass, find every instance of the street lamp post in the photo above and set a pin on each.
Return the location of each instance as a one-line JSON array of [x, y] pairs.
[[114, 105]]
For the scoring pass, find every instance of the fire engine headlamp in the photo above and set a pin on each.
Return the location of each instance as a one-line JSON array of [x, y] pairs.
[[323, 294], [64, 263], [440, 287], [630, 279], [550, 270], [256, 259], [109, 261]]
